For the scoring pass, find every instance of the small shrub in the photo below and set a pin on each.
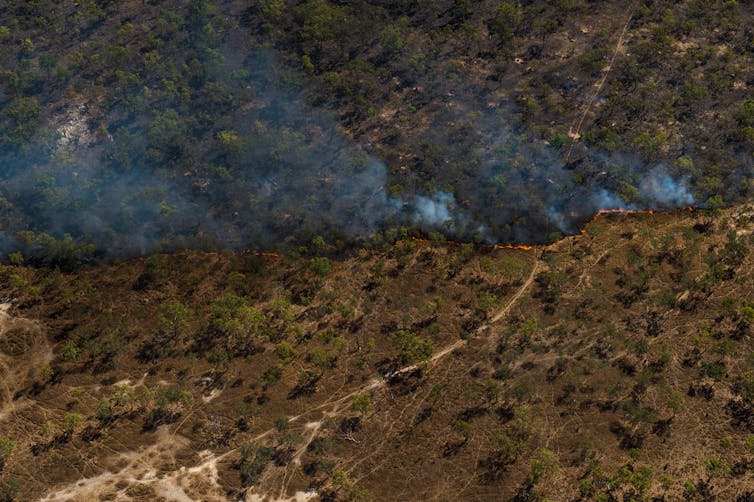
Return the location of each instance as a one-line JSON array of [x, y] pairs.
[[70, 422], [6, 449], [322, 359], [361, 402], [462, 427], [46, 373], [716, 370], [104, 412], [545, 462], [285, 352], [413, 348], [253, 463], [71, 351], [717, 467], [320, 266], [16, 258], [281, 424]]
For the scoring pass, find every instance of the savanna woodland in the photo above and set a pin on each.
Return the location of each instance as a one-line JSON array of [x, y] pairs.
[[285, 250]]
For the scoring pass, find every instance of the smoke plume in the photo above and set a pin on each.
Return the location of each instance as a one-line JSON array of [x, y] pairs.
[[281, 172]]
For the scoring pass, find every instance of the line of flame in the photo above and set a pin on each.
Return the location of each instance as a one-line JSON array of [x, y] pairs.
[[603, 212], [522, 247], [456, 243], [526, 247], [249, 252]]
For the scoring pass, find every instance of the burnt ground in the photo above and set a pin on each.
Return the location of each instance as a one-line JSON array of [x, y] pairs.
[[614, 365]]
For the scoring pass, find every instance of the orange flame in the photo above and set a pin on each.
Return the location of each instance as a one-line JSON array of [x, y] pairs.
[[249, 252], [603, 212], [514, 246], [521, 247], [625, 211], [455, 243]]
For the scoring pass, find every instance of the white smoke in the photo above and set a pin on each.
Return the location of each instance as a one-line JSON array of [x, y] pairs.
[[660, 187], [604, 199], [434, 211]]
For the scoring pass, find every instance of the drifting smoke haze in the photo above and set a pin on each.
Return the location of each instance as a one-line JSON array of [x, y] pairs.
[[283, 173], [658, 190], [660, 187]]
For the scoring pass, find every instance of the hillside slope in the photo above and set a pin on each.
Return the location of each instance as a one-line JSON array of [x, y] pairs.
[[614, 365], [128, 127]]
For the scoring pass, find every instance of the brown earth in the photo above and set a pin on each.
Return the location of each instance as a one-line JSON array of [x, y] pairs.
[[614, 365]]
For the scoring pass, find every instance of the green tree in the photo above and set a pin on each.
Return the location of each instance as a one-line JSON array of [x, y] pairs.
[[168, 136], [254, 460], [320, 266], [70, 422], [322, 359], [285, 352], [240, 323], [506, 22], [174, 317], [413, 348], [22, 120]]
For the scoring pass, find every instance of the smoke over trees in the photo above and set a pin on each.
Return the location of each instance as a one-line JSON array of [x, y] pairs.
[[125, 133]]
